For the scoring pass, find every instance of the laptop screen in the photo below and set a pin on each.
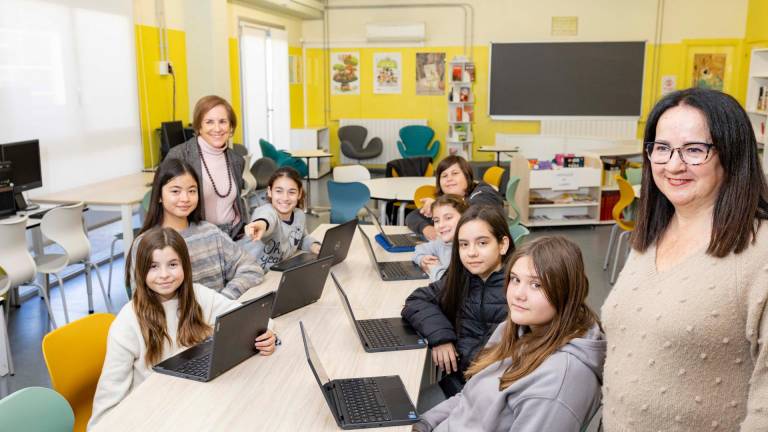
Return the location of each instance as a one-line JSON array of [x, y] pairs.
[[378, 225], [344, 300], [313, 359], [369, 247]]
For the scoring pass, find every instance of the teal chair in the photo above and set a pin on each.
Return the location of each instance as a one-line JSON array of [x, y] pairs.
[[346, 200], [36, 409], [512, 184], [414, 142], [518, 232], [283, 158]]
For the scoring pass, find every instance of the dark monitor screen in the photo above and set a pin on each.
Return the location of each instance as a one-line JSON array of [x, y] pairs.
[[172, 134], [25, 164]]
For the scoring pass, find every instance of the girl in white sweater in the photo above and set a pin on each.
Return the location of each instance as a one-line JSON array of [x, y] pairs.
[[167, 314]]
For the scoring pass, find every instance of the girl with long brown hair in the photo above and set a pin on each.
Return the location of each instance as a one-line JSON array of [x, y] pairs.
[[542, 368], [458, 313], [167, 314]]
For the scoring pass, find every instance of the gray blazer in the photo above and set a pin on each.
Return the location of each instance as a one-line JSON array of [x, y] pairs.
[[189, 153]]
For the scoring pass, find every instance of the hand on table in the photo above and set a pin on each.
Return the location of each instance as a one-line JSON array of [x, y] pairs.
[[444, 356], [265, 343]]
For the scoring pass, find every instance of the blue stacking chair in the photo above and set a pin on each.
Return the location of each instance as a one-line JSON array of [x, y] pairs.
[[36, 409], [283, 158], [414, 141], [346, 200]]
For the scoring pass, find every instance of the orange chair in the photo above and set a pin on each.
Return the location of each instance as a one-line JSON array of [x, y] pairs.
[[74, 355], [626, 197], [493, 176], [426, 191]]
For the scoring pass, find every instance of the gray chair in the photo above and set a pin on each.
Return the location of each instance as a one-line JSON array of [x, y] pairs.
[[262, 170], [352, 140], [240, 149]]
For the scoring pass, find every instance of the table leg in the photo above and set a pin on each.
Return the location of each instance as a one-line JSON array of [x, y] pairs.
[[308, 201], [401, 214], [126, 217], [498, 158], [382, 212]]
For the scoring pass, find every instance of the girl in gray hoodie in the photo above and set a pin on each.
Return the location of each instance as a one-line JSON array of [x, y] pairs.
[[434, 256], [542, 368]]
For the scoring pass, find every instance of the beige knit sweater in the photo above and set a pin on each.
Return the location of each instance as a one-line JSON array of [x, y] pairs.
[[687, 346]]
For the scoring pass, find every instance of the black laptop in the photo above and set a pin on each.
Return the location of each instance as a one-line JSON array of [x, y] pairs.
[[231, 343], [301, 286], [381, 334], [358, 403], [396, 240], [393, 270], [335, 243]]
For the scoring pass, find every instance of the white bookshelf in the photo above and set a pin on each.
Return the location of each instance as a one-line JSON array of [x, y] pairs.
[[756, 108], [461, 105], [553, 184]]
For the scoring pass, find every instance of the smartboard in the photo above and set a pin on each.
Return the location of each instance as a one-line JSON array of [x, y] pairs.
[[573, 79]]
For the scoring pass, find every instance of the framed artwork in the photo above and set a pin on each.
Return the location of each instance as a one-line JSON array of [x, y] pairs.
[[345, 75], [387, 73], [708, 71], [430, 74]]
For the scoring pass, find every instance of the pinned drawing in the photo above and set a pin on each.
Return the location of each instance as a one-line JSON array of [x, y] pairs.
[[387, 73], [430, 73], [709, 71], [345, 77]]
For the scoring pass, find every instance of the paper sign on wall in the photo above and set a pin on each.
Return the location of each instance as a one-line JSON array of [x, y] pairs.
[[387, 73]]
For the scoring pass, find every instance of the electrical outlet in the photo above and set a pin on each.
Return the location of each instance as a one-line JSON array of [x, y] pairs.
[[164, 67]]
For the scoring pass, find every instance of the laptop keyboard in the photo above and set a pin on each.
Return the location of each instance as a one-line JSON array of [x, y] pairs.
[[363, 400], [197, 367], [393, 270], [403, 239], [380, 333]]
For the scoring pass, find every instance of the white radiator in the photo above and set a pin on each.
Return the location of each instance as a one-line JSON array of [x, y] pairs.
[[386, 129], [623, 128]]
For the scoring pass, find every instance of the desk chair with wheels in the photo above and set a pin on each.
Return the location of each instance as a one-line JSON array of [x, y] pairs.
[[346, 200], [74, 355], [626, 197], [64, 226], [415, 141], [119, 236], [352, 139], [18, 264], [36, 409]]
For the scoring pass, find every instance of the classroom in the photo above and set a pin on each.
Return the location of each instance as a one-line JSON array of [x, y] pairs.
[[467, 215]]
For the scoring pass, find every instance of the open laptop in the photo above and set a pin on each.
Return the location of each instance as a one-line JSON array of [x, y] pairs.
[[398, 240], [230, 344], [393, 270], [301, 286], [381, 334], [335, 243], [361, 402]]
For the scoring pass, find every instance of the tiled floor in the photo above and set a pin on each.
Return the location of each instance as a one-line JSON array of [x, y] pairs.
[[29, 323]]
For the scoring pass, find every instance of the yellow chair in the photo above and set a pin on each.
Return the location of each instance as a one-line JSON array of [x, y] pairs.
[[493, 176], [426, 191], [74, 355], [626, 197]]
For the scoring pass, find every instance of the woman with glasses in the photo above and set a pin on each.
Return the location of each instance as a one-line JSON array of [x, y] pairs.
[[219, 168], [686, 323]]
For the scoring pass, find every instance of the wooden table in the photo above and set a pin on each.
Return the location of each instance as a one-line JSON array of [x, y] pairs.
[[119, 194], [279, 393], [498, 149], [309, 154], [395, 189]]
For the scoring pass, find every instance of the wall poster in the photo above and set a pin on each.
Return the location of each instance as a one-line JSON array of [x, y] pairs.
[[345, 76], [430, 73], [387, 73]]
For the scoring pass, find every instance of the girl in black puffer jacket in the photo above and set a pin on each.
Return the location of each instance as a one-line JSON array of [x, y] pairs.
[[458, 313]]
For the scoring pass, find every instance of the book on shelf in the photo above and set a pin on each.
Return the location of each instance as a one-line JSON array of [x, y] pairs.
[[573, 162], [578, 217], [457, 73], [469, 69], [469, 113], [459, 114], [464, 93]]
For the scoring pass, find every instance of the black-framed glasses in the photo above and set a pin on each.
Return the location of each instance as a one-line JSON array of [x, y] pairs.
[[690, 153]]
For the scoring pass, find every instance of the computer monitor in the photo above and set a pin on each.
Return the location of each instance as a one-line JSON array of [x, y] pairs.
[[171, 135], [26, 173]]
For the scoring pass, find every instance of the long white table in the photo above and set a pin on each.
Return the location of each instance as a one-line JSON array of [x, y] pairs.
[[121, 194], [279, 393], [395, 189]]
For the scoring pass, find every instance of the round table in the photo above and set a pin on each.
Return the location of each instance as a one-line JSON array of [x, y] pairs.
[[395, 189]]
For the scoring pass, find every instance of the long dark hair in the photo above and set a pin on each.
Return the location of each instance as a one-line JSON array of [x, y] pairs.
[[147, 306], [560, 268], [292, 174], [457, 277], [167, 171], [742, 201]]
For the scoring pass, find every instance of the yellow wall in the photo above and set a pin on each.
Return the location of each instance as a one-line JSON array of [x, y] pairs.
[[156, 91]]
